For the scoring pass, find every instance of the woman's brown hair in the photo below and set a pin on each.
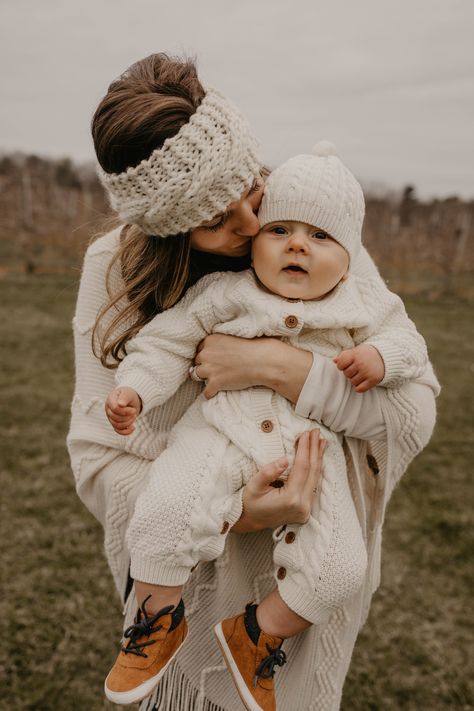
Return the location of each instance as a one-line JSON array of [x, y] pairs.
[[142, 108]]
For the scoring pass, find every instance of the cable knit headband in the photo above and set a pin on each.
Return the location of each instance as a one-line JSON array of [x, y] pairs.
[[193, 177]]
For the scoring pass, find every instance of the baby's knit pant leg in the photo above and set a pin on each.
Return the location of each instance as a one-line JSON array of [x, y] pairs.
[[190, 501], [321, 564]]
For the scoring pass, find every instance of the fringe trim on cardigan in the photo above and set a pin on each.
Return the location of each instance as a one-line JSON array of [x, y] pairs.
[[176, 693]]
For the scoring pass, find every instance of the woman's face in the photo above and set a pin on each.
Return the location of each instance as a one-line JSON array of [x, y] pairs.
[[230, 232]]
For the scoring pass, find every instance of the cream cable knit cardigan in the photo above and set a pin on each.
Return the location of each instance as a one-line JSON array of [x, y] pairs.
[[110, 470]]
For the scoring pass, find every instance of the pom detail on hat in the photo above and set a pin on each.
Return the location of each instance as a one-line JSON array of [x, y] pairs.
[[324, 148]]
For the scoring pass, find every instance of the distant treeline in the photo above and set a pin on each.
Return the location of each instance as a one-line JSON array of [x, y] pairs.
[[51, 209]]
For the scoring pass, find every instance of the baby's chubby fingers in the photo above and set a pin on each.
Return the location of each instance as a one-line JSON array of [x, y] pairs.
[[351, 372], [120, 399], [344, 359], [121, 414], [112, 403], [357, 379], [364, 385], [122, 424], [124, 429]]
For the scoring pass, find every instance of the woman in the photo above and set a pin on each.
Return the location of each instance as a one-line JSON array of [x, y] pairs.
[[206, 195]]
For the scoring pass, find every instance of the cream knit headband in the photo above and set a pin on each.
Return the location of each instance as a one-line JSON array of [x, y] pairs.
[[193, 177]]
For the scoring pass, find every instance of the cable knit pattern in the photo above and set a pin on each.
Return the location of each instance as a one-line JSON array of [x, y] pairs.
[[194, 176], [319, 658], [326, 564]]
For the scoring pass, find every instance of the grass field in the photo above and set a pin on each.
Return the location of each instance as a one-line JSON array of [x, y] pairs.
[[58, 612]]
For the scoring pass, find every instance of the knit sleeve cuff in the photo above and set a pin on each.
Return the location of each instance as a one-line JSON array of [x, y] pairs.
[[305, 405], [308, 606], [397, 369], [154, 571], [236, 507]]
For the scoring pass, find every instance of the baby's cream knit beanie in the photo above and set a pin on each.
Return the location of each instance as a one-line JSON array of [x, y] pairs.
[[319, 190], [193, 177]]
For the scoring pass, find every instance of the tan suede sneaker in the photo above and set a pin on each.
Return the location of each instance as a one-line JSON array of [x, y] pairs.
[[153, 641], [252, 665]]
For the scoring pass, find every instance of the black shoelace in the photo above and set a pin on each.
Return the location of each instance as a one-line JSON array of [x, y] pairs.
[[266, 668], [143, 627]]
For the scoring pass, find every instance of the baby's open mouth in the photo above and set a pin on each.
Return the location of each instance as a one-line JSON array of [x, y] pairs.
[[294, 269]]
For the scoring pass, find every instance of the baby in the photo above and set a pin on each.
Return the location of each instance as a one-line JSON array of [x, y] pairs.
[[300, 289]]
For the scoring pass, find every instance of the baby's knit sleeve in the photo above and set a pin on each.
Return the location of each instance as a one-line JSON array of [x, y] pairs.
[[392, 332], [159, 356]]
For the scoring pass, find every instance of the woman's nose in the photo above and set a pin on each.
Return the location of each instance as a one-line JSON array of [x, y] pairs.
[[246, 221]]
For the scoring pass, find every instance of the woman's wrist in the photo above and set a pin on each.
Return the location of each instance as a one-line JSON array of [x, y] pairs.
[[282, 368], [245, 524]]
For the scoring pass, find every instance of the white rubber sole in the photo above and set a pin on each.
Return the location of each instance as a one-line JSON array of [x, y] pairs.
[[247, 698], [125, 698]]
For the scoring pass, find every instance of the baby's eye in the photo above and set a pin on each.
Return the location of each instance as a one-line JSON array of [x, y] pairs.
[[320, 235], [278, 230]]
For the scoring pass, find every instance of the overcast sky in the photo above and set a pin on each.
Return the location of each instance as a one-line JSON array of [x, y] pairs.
[[390, 82]]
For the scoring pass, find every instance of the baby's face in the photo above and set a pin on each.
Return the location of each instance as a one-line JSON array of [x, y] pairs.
[[298, 261]]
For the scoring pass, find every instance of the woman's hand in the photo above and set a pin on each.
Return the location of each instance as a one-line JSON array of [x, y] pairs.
[[232, 363], [266, 506]]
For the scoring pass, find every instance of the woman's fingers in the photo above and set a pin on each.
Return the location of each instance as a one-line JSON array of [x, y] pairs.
[[300, 469], [317, 445], [305, 475], [268, 474]]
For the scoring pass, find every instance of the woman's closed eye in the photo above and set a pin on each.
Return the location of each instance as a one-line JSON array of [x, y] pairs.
[[220, 222]]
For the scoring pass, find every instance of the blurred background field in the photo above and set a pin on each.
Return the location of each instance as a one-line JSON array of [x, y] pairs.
[[58, 609], [50, 208]]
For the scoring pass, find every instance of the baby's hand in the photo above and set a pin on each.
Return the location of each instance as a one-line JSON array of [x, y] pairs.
[[362, 365], [122, 407]]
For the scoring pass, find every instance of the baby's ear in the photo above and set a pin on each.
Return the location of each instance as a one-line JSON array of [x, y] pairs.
[[345, 276]]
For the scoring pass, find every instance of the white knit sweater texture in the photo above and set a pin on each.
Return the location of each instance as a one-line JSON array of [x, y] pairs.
[[179, 516], [111, 471]]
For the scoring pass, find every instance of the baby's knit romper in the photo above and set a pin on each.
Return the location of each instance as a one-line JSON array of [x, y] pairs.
[[190, 502]]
